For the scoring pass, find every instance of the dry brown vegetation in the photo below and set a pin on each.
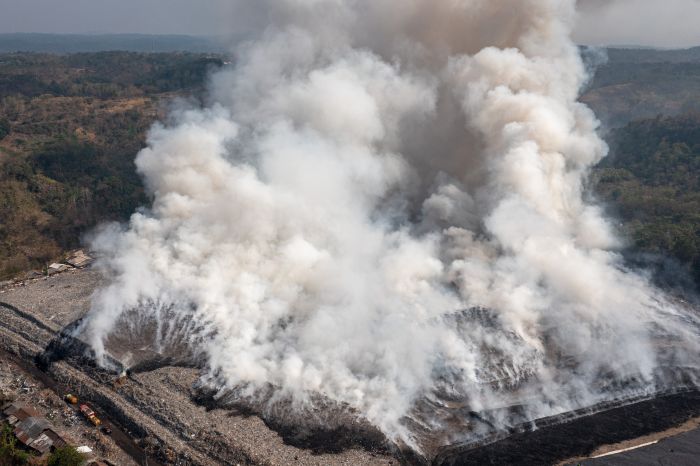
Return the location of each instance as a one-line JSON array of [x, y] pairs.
[[70, 127]]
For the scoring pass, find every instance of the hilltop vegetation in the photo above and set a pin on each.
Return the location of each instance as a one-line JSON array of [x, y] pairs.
[[70, 127], [106, 75], [649, 103], [652, 183], [81, 43], [634, 84]]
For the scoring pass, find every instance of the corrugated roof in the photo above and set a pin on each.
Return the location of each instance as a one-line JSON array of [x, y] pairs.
[[23, 437], [12, 408], [21, 411], [56, 438], [79, 259], [33, 427], [42, 444]]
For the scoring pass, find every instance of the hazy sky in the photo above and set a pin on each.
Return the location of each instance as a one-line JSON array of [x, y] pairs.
[[664, 23]]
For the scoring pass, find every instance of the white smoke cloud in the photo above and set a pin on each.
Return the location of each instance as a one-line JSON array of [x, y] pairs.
[[373, 176]]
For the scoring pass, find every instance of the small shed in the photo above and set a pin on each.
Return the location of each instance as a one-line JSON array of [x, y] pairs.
[[56, 439], [18, 412], [31, 433], [79, 259]]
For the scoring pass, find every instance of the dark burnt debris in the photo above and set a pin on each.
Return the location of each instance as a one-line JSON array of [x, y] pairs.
[[554, 441]]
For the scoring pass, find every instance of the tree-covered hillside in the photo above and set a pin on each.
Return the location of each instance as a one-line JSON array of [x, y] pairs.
[[70, 127], [81, 43], [633, 84], [651, 182], [102, 75]]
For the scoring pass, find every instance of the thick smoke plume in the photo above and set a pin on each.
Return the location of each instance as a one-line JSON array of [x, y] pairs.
[[384, 205]]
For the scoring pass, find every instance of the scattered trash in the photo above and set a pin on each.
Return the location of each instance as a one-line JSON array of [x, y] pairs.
[[120, 381]]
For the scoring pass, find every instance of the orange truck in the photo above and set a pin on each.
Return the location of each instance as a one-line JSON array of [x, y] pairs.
[[72, 399], [90, 415]]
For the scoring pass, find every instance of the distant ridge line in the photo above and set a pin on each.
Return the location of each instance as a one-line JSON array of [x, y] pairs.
[[77, 43]]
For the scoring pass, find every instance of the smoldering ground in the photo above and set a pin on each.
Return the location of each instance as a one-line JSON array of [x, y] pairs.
[[383, 208]]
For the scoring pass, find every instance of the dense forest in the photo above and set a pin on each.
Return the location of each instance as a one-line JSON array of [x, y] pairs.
[[70, 126]]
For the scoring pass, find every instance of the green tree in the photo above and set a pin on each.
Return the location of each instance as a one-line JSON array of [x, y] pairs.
[[5, 128], [65, 456], [10, 455]]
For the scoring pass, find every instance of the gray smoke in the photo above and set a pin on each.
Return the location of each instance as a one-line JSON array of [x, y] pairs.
[[383, 204]]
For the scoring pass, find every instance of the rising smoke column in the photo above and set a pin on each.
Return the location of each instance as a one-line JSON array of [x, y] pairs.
[[372, 176]]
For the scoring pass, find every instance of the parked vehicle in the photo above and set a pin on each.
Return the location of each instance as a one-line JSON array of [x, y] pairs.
[[72, 399], [90, 415]]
